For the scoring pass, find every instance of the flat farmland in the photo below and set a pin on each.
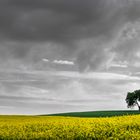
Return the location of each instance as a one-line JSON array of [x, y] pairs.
[[69, 128]]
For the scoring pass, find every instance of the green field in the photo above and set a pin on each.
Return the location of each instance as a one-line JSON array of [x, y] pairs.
[[69, 128], [99, 113]]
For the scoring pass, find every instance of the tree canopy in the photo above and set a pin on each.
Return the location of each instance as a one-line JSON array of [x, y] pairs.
[[133, 98]]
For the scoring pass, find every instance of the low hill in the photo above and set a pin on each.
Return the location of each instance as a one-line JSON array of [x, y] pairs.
[[98, 113]]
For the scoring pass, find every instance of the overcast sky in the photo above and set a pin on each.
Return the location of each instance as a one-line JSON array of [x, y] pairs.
[[68, 55]]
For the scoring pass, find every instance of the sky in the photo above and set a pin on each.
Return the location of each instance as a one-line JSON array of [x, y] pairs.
[[68, 55]]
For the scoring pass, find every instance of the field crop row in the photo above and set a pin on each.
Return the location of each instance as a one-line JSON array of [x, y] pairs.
[[68, 128]]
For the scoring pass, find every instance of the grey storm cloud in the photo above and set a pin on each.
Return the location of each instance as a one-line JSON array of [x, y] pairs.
[[99, 37], [65, 22], [127, 48]]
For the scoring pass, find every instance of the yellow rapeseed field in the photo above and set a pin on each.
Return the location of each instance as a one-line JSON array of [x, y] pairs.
[[69, 128]]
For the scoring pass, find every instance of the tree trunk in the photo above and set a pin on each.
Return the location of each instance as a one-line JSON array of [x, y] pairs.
[[139, 108], [138, 105]]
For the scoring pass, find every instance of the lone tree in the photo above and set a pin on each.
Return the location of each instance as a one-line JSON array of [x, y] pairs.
[[133, 98]]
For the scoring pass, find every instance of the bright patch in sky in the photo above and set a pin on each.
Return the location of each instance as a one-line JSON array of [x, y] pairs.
[[63, 62]]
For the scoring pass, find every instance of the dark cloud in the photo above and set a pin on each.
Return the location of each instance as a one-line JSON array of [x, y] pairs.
[[62, 20], [127, 48], [92, 34], [65, 22]]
